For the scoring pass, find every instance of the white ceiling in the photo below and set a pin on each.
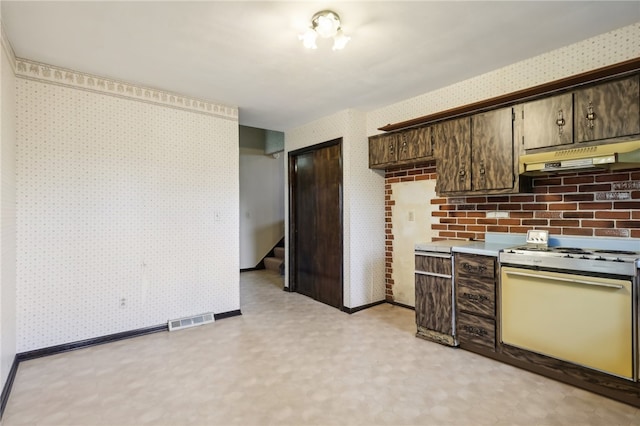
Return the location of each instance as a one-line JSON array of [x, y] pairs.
[[247, 54]]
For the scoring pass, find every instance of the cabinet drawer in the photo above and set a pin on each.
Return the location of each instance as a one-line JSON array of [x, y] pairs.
[[477, 330], [476, 266], [436, 265], [476, 295]]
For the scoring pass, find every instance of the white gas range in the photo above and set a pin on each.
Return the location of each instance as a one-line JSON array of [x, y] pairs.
[[575, 302]]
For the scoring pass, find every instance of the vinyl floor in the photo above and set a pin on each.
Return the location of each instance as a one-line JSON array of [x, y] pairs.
[[289, 360]]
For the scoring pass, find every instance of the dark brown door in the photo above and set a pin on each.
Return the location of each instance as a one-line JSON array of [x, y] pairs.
[[316, 222]]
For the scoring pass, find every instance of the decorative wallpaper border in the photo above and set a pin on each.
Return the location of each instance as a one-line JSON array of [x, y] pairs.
[[32, 70]]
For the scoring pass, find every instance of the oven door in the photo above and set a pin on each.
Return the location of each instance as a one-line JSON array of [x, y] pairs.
[[580, 319]]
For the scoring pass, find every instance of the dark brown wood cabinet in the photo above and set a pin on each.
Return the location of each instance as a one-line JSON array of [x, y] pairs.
[[597, 112], [434, 302], [411, 146], [383, 150], [416, 144], [453, 155], [493, 163], [548, 122], [475, 280], [477, 155], [607, 110]]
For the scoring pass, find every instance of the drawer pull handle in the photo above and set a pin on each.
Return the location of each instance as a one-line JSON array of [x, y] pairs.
[[470, 268], [475, 297], [476, 331]]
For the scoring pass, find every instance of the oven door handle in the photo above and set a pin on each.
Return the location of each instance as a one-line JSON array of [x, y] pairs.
[[568, 280]]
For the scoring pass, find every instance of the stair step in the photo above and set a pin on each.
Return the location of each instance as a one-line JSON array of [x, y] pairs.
[[273, 263], [279, 252]]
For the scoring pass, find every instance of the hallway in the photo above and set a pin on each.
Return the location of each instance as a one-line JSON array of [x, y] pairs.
[[289, 360]]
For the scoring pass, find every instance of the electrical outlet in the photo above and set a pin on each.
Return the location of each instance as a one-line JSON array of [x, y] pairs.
[[412, 216], [123, 302]]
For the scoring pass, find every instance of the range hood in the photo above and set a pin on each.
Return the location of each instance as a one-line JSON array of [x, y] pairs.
[[615, 156]]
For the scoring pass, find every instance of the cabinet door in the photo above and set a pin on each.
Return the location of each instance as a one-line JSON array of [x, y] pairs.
[[492, 165], [382, 150], [453, 153], [608, 110], [415, 144], [434, 303], [548, 122]]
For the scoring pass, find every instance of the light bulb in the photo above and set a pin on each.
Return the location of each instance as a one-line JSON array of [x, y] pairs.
[[340, 40], [309, 39], [327, 25]]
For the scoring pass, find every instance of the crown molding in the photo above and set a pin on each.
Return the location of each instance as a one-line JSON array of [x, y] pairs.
[[33, 70], [6, 45]]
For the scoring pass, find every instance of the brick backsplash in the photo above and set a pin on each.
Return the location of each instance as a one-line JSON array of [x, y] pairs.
[[592, 204]]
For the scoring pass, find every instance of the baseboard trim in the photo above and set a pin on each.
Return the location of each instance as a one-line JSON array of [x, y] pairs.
[[287, 289], [360, 308], [6, 389], [229, 314], [257, 268], [402, 305], [80, 344]]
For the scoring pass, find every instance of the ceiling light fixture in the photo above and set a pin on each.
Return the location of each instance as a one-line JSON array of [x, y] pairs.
[[325, 24]]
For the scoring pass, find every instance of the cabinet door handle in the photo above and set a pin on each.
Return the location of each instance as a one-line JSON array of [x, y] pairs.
[[391, 148], [560, 122], [470, 268], [591, 116], [477, 331], [475, 297], [404, 145]]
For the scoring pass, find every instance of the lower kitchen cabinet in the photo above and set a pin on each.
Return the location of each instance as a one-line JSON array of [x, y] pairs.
[[475, 280], [434, 299]]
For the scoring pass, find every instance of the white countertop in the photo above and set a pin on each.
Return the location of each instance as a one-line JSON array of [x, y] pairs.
[[482, 248]]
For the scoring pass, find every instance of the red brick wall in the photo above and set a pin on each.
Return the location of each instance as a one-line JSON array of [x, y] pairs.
[[601, 204]]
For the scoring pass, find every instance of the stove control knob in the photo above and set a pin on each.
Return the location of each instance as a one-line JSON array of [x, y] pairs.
[[583, 257], [617, 260], [568, 256], [600, 258]]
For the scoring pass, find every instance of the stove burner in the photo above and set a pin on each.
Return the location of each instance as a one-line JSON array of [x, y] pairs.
[[570, 250], [533, 248], [630, 253]]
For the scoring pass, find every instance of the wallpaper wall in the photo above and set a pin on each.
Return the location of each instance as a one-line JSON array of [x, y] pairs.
[[363, 199], [127, 207], [7, 211], [606, 49]]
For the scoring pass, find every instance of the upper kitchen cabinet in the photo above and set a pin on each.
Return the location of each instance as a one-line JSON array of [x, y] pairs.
[[476, 155], [548, 122], [453, 154], [598, 112], [383, 150], [608, 110], [492, 150], [410, 146], [416, 144]]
